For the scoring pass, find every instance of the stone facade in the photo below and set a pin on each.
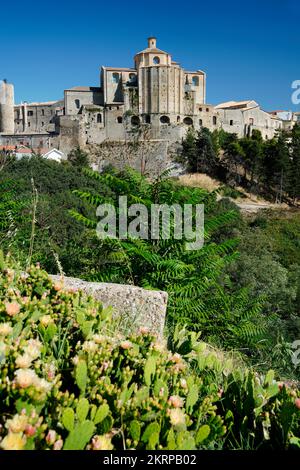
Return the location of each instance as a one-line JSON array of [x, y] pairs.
[[155, 101]]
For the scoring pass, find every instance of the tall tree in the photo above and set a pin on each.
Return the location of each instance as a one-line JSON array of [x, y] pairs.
[[276, 164], [294, 173], [206, 156], [252, 148]]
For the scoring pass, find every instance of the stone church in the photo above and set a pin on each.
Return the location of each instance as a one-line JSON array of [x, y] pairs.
[[155, 102]]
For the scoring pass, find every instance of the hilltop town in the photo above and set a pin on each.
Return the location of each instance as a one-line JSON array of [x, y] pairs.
[[155, 100]]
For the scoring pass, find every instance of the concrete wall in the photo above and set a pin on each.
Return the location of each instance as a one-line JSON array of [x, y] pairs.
[[113, 81], [197, 82], [34, 141], [242, 122], [35, 118], [74, 99], [6, 108], [71, 134], [149, 156]]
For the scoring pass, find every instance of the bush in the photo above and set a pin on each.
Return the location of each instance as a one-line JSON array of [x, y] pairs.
[[70, 380]]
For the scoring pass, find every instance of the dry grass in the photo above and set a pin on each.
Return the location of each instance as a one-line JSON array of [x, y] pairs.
[[199, 180]]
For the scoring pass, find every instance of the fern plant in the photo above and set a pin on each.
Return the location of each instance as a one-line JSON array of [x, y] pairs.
[[199, 294]]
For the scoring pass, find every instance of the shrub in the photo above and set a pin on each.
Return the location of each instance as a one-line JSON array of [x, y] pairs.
[[69, 380]]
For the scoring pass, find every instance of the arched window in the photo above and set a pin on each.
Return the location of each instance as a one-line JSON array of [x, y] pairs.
[[119, 119], [195, 81], [147, 119], [156, 60], [178, 118], [99, 118], [135, 121], [165, 120], [115, 77], [200, 122], [200, 109], [188, 121], [77, 104], [214, 120]]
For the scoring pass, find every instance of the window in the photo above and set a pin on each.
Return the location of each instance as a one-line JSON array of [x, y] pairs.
[[165, 120], [77, 104], [200, 109], [251, 121], [115, 77], [178, 118], [207, 110], [267, 137], [29, 113], [43, 124], [214, 120], [135, 121], [195, 81], [43, 112], [200, 122], [147, 119], [29, 124], [188, 121], [132, 77], [41, 143], [119, 119], [231, 122], [99, 118], [156, 60]]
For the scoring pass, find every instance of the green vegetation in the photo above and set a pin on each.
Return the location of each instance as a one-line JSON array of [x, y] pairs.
[[241, 290], [270, 167], [239, 294], [70, 380]]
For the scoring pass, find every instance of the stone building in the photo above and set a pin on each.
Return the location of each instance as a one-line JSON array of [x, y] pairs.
[[155, 101]]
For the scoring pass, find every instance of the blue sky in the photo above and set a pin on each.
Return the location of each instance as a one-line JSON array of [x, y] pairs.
[[249, 49]]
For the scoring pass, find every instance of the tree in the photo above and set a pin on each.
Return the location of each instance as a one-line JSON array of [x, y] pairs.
[[189, 150], [78, 157], [206, 157], [5, 159], [252, 148], [294, 169], [276, 164], [233, 157]]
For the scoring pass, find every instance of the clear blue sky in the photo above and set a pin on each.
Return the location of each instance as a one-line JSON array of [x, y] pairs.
[[249, 49]]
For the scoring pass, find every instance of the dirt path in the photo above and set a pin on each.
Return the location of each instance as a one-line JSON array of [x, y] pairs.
[[253, 207]]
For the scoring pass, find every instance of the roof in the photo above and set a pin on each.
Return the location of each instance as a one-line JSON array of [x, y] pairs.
[[155, 50], [51, 151], [83, 88], [23, 149], [277, 111], [44, 103], [124, 69], [195, 72], [235, 104]]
